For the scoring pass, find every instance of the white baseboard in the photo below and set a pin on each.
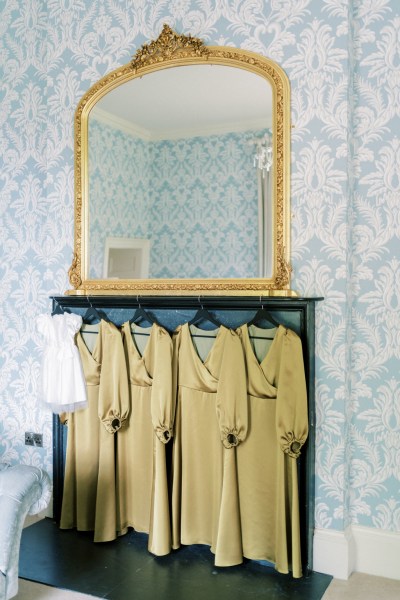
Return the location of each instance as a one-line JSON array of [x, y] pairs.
[[362, 549], [333, 552], [377, 551]]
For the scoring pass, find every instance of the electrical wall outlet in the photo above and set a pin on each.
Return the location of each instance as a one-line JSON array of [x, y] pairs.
[[38, 439], [29, 438], [33, 439]]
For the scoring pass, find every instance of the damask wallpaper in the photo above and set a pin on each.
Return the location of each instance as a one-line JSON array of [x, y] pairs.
[[170, 184], [190, 175], [342, 59], [119, 175]]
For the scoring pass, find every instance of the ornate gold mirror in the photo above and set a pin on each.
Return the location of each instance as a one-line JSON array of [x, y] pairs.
[[182, 174]]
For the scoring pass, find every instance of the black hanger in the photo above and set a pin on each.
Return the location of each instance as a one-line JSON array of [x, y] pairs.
[[141, 315], [263, 315], [203, 315], [93, 315]]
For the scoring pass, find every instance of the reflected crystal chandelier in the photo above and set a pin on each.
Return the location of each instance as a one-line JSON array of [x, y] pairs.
[[263, 155]]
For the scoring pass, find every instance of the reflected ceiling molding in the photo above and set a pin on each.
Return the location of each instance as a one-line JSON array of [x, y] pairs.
[[107, 118], [134, 130]]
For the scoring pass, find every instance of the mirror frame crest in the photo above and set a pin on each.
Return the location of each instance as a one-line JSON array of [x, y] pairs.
[[168, 50]]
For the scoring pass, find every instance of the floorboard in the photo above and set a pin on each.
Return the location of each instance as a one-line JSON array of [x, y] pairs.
[[124, 569]]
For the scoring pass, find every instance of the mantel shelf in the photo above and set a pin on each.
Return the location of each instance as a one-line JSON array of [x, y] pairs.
[[170, 302]]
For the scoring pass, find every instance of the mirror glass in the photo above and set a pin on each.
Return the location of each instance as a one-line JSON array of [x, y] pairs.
[[172, 161]]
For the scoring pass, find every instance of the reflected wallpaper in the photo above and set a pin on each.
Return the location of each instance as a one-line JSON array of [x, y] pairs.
[[119, 175], [196, 199], [342, 59]]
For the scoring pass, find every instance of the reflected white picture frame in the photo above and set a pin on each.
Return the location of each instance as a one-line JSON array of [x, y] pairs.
[[126, 258]]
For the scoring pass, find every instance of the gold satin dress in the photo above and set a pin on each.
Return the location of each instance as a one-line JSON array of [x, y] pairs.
[[142, 481], [89, 499], [211, 420], [266, 460]]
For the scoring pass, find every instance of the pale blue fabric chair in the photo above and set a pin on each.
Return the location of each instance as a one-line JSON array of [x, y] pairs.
[[24, 490]]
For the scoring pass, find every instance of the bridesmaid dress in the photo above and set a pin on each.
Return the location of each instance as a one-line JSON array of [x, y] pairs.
[[142, 479], [278, 428], [211, 422], [89, 498]]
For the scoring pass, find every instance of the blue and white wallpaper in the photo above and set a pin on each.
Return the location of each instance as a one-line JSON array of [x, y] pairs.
[[342, 58], [119, 175], [190, 176], [163, 190]]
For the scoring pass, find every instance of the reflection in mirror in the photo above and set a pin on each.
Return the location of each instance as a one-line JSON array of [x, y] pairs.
[[126, 258], [183, 158]]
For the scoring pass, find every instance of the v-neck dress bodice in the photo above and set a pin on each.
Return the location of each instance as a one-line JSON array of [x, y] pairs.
[[211, 420], [142, 483], [267, 469]]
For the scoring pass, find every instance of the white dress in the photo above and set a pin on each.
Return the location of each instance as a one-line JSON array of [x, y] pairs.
[[62, 384]]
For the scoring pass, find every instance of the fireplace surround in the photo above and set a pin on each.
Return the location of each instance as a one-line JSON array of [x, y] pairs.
[[295, 313]]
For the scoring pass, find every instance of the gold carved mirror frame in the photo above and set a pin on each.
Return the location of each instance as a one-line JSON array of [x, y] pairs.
[[170, 50]]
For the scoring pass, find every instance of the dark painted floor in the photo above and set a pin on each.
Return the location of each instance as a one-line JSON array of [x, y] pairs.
[[124, 570]]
